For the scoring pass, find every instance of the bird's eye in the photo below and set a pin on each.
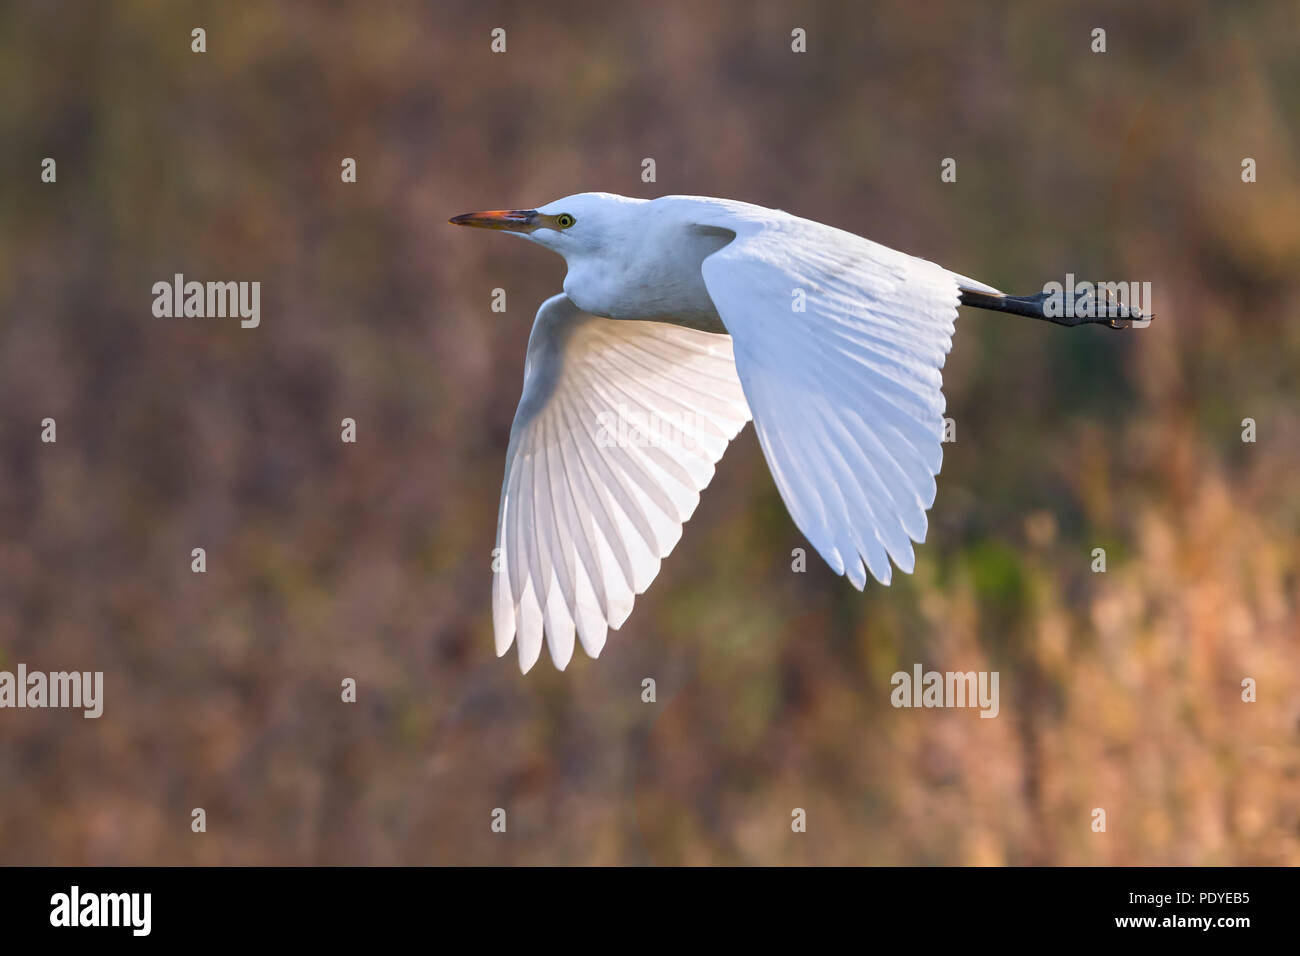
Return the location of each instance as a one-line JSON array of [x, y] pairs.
[[564, 220]]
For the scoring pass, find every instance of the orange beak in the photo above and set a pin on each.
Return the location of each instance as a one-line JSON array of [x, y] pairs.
[[512, 220]]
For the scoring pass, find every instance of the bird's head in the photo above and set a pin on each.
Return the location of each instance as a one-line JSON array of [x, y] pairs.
[[576, 226]]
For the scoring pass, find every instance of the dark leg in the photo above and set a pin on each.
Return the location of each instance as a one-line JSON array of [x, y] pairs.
[[1113, 314]]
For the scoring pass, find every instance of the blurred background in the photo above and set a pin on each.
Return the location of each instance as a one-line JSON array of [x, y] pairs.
[[1119, 690]]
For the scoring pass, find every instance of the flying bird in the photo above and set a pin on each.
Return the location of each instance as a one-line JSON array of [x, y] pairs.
[[681, 319]]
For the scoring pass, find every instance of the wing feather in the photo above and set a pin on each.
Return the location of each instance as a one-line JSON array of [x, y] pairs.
[[846, 393], [586, 515]]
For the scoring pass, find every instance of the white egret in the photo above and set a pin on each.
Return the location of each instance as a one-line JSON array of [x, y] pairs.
[[682, 318]]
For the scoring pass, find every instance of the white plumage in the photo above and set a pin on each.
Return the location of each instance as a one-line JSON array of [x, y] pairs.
[[681, 319], [587, 510]]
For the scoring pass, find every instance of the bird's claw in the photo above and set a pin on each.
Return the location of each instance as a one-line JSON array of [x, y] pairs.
[[1140, 321]]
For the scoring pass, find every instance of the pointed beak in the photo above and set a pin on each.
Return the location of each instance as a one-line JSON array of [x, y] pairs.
[[511, 220]]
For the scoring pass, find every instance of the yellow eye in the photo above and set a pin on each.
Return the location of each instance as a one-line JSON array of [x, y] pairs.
[[564, 220]]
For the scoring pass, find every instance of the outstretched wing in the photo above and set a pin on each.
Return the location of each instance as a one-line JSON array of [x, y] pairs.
[[839, 343], [617, 432]]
